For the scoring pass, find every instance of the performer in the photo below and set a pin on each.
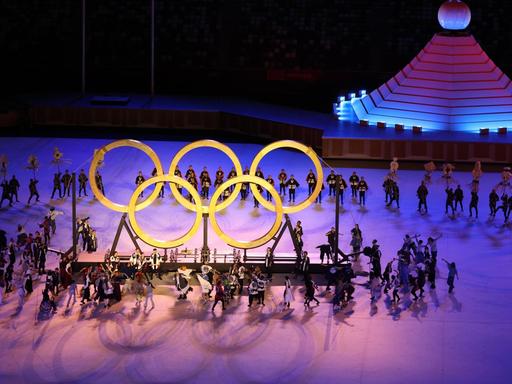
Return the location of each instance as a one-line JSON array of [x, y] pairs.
[[493, 200], [138, 181], [190, 173], [375, 257], [331, 240], [357, 239], [205, 282], [476, 173], [219, 178], [261, 289], [191, 178], [429, 167], [206, 182], [287, 294], [450, 196], [331, 182], [452, 273], [269, 262], [155, 262], [56, 185], [66, 183], [432, 243], [362, 187], [204, 173], [459, 196], [52, 215], [253, 290], [133, 263], [149, 295], [82, 183], [354, 183], [161, 192], [310, 291], [473, 204], [241, 277], [318, 199], [182, 282], [6, 193], [298, 231], [14, 186], [177, 173], [311, 181], [388, 186], [260, 190], [393, 169], [259, 173], [304, 265], [282, 177], [422, 193], [219, 295], [447, 173], [395, 194], [232, 174], [270, 180], [292, 185]]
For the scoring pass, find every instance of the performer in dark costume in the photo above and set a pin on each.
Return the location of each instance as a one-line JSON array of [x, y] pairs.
[[138, 181], [493, 200], [311, 181], [161, 192], [362, 187], [99, 182], [318, 199], [269, 262], [395, 194], [459, 196], [331, 182], [270, 180], [292, 185], [259, 173], [66, 183], [473, 204], [82, 183], [450, 196], [452, 273], [177, 173], [422, 193], [354, 183], [231, 174], [6, 193], [14, 186], [298, 231], [282, 177], [56, 185], [206, 182], [387, 185]]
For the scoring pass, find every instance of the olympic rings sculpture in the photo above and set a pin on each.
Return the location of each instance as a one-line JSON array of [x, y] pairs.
[[160, 179]]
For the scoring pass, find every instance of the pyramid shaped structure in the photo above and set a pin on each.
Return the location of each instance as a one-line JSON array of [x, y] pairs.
[[450, 85]]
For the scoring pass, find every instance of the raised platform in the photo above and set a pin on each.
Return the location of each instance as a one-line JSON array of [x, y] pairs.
[[324, 132]]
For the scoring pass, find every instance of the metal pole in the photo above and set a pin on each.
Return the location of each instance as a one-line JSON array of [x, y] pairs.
[[83, 46], [152, 69], [73, 214], [205, 252], [337, 219]]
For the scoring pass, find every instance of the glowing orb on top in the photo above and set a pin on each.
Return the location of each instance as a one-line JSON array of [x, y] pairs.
[[454, 15]]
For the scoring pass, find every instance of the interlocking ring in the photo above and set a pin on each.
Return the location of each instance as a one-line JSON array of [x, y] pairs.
[[263, 239], [165, 243], [209, 144], [100, 155], [197, 207], [316, 163]]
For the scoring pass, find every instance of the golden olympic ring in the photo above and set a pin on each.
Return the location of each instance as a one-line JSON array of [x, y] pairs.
[[308, 152], [164, 243], [99, 156], [211, 144], [261, 240], [213, 207]]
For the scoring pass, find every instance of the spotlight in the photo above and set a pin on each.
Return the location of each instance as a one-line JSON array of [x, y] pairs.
[[362, 92], [352, 95]]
